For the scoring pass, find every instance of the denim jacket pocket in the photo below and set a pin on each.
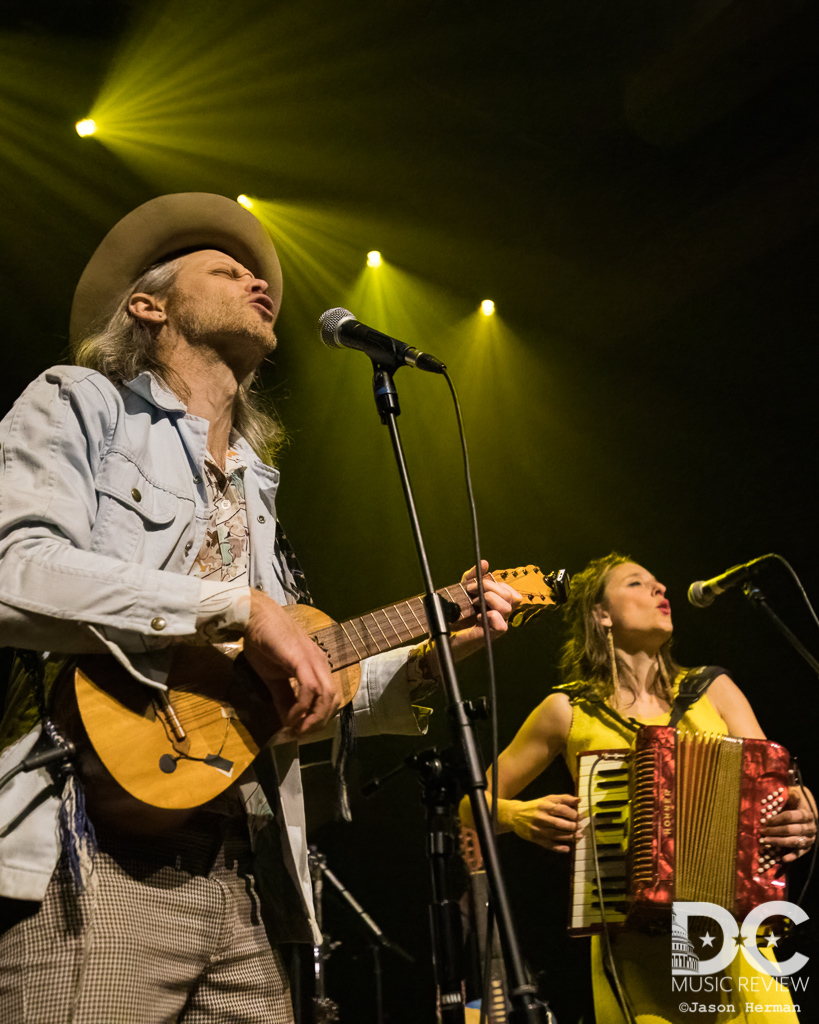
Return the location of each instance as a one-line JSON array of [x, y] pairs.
[[131, 509]]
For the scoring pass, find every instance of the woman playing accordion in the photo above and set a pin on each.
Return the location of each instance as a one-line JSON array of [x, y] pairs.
[[618, 676]]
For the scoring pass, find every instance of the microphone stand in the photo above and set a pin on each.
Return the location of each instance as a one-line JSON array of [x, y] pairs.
[[757, 598], [525, 1006]]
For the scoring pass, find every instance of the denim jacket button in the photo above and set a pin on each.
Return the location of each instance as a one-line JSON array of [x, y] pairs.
[[135, 494], [188, 547], [158, 623], [261, 519]]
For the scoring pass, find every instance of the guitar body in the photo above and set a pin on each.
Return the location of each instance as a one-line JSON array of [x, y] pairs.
[[149, 758], [225, 711]]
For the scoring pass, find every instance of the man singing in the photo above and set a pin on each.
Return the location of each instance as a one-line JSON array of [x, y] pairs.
[[137, 513]]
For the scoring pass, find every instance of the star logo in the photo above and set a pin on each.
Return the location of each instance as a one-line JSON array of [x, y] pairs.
[[739, 939], [772, 940], [707, 940]]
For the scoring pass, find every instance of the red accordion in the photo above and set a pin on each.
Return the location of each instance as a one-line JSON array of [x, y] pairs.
[[677, 818]]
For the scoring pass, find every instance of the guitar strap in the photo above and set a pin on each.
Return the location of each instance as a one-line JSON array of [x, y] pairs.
[[293, 566], [346, 739], [78, 840]]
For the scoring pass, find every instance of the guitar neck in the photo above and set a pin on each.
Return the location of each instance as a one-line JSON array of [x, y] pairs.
[[346, 643]]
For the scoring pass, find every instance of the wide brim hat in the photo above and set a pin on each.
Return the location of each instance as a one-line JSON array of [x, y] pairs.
[[159, 228]]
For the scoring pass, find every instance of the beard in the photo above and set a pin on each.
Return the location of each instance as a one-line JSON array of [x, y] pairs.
[[236, 333]]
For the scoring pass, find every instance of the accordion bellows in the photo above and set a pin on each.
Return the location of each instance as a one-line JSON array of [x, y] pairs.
[[677, 818]]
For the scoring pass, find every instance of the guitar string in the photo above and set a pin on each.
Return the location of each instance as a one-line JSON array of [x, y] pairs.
[[358, 634], [369, 634], [199, 706], [336, 639], [200, 711], [352, 643], [392, 625], [375, 620], [173, 741], [412, 610], [353, 623]]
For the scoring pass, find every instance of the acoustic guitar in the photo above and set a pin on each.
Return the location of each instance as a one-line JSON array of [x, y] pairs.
[[180, 749]]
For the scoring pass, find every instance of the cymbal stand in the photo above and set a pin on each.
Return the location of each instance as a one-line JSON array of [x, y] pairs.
[[325, 1009]]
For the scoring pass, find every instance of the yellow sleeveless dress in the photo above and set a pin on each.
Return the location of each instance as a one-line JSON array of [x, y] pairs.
[[644, 961]]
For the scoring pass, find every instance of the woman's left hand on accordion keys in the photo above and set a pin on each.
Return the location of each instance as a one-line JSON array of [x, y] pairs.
[[793, 830]]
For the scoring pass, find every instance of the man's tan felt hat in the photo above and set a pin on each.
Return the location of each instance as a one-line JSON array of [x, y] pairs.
[[158, 228]]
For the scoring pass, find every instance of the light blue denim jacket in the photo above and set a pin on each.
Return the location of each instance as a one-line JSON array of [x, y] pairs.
[[103, 509]]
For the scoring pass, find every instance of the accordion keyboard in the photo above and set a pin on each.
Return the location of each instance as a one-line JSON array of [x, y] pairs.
[[602, 784]]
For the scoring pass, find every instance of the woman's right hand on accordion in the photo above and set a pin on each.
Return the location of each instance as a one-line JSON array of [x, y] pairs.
[[793, 830], [551, 821]]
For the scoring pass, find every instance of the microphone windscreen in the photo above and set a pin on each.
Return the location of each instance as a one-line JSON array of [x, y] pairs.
[[699, 596], [329, 323]]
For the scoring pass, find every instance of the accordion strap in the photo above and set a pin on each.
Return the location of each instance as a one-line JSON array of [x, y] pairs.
[[692, 686]]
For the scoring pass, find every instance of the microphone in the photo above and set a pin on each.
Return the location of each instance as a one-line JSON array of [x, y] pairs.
[[338, 328], [703, 592]]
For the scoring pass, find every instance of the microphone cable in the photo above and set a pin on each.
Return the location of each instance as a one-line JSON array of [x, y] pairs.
[[490, 659], [798, 583], [619, 990], [55, 755]]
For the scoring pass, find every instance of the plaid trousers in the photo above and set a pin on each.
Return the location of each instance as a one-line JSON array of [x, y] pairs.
[[168, 930]]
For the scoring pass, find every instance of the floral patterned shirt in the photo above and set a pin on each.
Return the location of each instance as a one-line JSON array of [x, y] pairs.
[[223, 556]]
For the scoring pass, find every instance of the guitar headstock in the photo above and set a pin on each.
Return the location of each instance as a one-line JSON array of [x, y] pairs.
[[538, 590]]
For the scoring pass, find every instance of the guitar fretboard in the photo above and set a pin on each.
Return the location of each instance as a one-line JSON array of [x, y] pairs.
[[346, 643]]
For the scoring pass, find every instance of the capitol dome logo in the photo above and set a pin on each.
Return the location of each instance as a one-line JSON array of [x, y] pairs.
[[716, 951]]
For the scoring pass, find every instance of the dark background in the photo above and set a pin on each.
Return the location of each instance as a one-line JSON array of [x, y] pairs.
[[633, 183]]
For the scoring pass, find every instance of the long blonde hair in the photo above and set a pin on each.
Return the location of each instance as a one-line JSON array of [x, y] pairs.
[[123, 346]]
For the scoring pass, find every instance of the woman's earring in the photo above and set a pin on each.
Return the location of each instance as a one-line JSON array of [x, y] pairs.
[[612, 657]]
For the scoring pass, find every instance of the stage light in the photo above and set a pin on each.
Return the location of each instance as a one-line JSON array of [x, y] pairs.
[[374, 258], [86, 127], [245, 201], [488, 307]]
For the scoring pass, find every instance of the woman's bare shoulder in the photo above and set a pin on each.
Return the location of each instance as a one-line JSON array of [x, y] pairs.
[[553, 716]]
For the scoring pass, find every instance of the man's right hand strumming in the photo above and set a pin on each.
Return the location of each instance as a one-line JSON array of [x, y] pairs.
[[290, 664]]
